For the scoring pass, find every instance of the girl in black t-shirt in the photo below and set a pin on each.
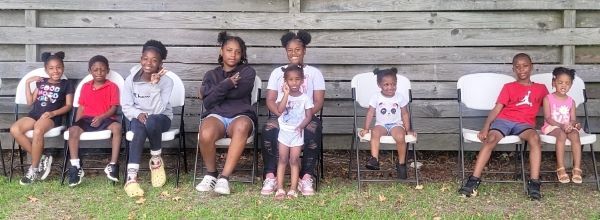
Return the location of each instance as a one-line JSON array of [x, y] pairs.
[[51, 98]]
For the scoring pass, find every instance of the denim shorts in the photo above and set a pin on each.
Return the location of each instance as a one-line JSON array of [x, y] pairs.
[[227, 121], [506, 127], [388, 127]]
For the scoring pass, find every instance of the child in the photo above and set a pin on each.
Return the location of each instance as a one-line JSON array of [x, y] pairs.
[[560, 122], [295, 109], [391, 119], [514, 114], [98, 104], [51, 98]]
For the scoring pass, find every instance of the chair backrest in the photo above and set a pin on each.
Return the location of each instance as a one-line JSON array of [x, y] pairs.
[[178, 94], [576, 92], [112, 76], [480, 90], [20, 98], [365, 86], [257, 86]]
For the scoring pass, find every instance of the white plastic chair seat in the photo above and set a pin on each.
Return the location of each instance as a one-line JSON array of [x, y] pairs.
[[166, 136], [585, 138], [91, 135], [385, 139], [471, 136], [54, 132], [227, 141]]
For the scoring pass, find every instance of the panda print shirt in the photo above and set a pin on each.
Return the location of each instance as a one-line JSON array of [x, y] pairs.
[[387, 109]]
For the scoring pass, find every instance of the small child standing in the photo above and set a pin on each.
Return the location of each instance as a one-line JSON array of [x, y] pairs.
[[560, 121], [98, 103], [295, 108], [391, 119]]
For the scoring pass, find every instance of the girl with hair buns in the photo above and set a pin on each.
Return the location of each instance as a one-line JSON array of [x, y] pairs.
[[226, 92], [50, 100]]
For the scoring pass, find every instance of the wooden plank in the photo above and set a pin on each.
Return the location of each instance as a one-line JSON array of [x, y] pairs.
[[12, 52], [307, 21], [151, 5], [587, 54], [355, 38], [587, 19], [12, 18], [260, 55], [419, 72], [568, 51], [443, 5]]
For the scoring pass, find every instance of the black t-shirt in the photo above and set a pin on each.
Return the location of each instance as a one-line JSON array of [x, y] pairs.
[[50, 96]]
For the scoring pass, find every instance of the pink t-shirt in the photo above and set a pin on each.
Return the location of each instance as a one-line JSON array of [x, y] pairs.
[[560, 110], [521, 102]]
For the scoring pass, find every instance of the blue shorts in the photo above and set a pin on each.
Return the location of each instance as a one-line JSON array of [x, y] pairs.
[[388, 127], [227, 121], [506, 127]]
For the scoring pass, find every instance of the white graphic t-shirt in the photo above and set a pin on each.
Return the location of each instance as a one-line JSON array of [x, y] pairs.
[[387, 109], [294, 111]]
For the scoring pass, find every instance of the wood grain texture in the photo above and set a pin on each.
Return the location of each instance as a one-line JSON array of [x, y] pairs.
[[12, 18], [587, 54], [307, 21], [12, 53], [587, 19]]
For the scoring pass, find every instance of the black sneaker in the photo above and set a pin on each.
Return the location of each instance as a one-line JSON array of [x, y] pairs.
[[112, 172], [75, 175], [470, 187], [372, 163], [30, 177], [402, 173], [533, 189]]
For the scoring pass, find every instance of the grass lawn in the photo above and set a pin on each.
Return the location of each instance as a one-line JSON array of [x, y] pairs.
[[338, 198]]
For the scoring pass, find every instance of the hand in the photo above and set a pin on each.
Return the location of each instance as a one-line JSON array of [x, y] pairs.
[[299, 130], [363, 132], [47, 115], [155, 77], [411, 132], [142, 117], [286, 89], [96, 121], [576, 125], [33, 79], [567, 128], [483, 134], [235, 78]]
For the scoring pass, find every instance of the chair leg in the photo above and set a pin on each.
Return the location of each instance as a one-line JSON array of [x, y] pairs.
[[322, 165], [461, 157], [415, 163], [64, 167], [254, 159], [196, 167], [183, 148], [178, 168], [523, 148], [126, 161], [2, 158], [358, 168], [12, 160], [350, 156], [594, 165]]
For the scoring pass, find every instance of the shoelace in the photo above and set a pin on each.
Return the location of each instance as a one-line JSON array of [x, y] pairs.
[[30, 174]]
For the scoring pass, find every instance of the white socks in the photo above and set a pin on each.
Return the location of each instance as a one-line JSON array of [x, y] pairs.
[[75, 163]]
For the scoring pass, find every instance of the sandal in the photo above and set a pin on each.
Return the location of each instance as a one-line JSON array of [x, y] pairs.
[[133, 189], [562, 178], [292, 194], [157, 171], [577, 175], [280, 194]]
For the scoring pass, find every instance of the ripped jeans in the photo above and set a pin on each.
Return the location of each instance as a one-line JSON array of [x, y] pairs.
[[311, 149]]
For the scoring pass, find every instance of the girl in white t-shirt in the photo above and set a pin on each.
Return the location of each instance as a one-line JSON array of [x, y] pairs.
[[295, 109], [391, 119]]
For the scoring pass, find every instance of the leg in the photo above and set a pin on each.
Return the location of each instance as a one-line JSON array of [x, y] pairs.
[[295, 166], [40, 128], [376, 134], [115, 129], [576, 149], [137, 143], [282, 164], [74, 134], [486, 150], [398, 134], [312, 141], [239, 130], [155, 126], [211, 130], [561, 138], [535, 152], [18, 129], [270, 147]]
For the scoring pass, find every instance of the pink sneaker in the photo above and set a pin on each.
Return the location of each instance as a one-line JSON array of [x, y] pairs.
[[305, 186], [269, 186]]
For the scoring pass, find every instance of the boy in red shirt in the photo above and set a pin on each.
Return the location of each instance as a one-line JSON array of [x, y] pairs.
[[98, 104], [514, 114]]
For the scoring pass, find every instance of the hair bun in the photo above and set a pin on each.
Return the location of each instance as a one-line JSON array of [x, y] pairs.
[[304, 36], [394, 70], [222, 38], [45, 56], [60, 55], [376, 71]]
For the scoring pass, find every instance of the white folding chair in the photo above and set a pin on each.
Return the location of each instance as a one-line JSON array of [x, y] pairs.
[[578, 94], [177, 100], [21, 99], [479, 92], [252, 139], [88, 136], [364, 86]]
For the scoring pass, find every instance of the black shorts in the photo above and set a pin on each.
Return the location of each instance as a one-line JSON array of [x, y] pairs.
[[57, 119], [85, 124]]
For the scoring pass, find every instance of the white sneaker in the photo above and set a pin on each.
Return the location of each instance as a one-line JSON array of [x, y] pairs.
[[45, 166], [269, 186], [222, 186], [305, 186], [207, 184]]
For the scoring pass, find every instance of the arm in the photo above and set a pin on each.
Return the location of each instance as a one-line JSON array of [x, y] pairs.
[[96, 120], [573, 123], [213, 92], [79, 113], [491, 117], [127, 103], [284, 100], [368, 120], [165, 87], [318, 100], [244, 84], [61, 111], [31, 96], [307, 117], [548, 115], [271, 104]]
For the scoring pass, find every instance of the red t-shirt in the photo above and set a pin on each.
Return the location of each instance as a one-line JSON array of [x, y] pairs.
[[97, 101], [521, 102]]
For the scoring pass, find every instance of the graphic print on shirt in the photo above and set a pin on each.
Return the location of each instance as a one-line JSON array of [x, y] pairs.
[[525, 100], [293, 113], [47, 94], [560, 114], [388, 111]]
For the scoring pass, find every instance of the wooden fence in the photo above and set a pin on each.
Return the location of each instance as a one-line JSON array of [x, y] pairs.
[[432, 42]]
